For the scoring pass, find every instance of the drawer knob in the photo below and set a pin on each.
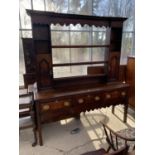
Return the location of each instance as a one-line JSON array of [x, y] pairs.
[[80, 100], [108, 96], [67, 104], [46, 107], [97, 98], [123, 93]]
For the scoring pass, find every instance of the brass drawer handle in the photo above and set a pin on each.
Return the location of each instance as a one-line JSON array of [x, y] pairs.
[[46, 107], [97, 98], [108, 96], [66, 104], [123, 93], [80, 100]]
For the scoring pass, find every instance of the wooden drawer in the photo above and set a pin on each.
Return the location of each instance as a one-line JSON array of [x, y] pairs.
[[88, 98], [96, 98], [55, 110], [113, 97], [81, 102], [55, 105], [87, 101]]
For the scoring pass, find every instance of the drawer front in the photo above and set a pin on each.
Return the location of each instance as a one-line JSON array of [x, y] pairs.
[[55, 110], [115, 97], [81, 102], [56, 105], [87, 101], [96, 101], [83, 99], [96, 98]]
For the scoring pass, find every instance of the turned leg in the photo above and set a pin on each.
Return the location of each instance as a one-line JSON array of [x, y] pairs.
[[32, 113], [39, 125], [40, 137]]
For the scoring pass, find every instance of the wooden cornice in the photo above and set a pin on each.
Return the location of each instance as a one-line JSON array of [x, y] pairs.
[[44, 17]]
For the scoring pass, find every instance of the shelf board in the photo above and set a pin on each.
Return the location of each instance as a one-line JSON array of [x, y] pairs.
[[80, 63], [79, 46]]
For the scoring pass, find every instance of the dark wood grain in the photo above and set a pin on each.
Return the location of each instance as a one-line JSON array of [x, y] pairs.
[[56, 104], [130, 78], [42, 43], [65, 97]]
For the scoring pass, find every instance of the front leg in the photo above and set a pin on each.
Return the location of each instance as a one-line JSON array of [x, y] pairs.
[[39, 124]]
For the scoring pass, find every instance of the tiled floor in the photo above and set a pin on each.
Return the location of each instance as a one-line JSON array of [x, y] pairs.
[[58, 139]]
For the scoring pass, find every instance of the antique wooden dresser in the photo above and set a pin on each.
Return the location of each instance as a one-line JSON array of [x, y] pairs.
[[57, 96]]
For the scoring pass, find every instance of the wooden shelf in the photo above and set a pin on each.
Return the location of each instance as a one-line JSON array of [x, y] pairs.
[[80, 63], [42, 40], [79, 46], [43, 47]]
